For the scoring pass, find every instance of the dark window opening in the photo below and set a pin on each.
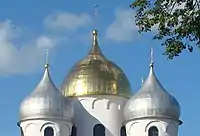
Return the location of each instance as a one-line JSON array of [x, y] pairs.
[[123, 131], [73, 133], [153, 131], [49, 131], [99, 130]]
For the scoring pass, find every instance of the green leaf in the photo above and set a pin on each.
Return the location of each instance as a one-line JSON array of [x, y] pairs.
[[177, 20]]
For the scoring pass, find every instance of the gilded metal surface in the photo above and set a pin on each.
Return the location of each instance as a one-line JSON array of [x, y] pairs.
[[95, 74], [46, 102], [152, 100]]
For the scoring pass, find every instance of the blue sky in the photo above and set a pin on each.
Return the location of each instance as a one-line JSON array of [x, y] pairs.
[[27, 28]]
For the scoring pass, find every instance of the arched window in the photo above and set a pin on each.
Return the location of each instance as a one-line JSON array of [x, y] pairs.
[[123, 131], [153, 131], [99, 130], [73, 131], [48, 131]]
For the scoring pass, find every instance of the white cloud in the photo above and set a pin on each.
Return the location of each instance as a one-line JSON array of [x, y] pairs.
[[67, 27], [18, 59], [123, 29], [62, 21]]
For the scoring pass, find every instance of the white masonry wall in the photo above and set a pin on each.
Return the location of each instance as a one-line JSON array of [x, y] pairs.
[[99, 109], [166, 127], [36, 127]]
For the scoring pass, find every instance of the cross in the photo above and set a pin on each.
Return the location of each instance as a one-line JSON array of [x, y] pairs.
[[47, 58], [151, 59], [95, 13]]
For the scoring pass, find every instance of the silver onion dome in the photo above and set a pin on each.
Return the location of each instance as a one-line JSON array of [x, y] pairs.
[[152, 100], [46, 101]]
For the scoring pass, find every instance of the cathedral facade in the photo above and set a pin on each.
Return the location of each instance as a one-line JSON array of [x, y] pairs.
[[96, 100]]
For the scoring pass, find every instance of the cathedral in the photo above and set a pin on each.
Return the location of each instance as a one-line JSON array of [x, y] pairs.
[[95, 99]]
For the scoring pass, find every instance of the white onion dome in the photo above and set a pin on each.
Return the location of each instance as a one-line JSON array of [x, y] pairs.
[[46, 101], [152, 100]]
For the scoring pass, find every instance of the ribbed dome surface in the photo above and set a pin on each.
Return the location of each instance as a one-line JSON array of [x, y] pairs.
[[46, 101], [152, 100], [95, 74]]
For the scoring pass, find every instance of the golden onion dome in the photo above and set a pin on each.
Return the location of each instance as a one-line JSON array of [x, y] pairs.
[[96, 75]]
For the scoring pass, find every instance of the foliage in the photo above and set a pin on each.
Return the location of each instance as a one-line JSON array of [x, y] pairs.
[[177, 22]]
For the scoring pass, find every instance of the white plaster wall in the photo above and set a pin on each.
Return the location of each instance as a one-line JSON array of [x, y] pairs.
[[166, 127], [92, 110], [36, 127]]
